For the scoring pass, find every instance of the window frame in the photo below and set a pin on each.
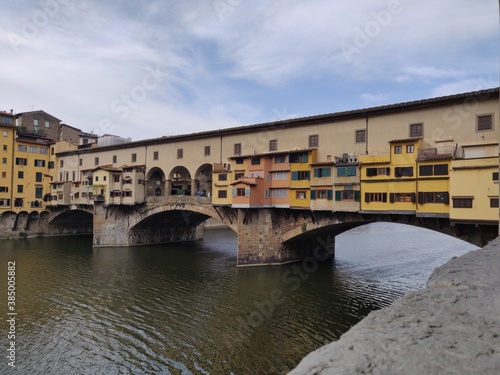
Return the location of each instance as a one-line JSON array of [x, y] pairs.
[[237, 149], [420, 130], [360, 136], [491, 123], [313, 140]]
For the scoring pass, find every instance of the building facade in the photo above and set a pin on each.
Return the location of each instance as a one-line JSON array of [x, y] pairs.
[[408, 158]]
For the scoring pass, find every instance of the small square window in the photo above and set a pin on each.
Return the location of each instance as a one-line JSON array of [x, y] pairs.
[[494, 202], [484, 122], [361, 136], [410, 149], [398, 149], [313, 140], [416, 130], [273, 145]]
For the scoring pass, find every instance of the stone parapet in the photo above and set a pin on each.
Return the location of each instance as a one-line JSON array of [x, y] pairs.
[[450, 327]]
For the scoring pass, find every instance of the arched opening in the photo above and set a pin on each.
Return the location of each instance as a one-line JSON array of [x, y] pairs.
[[72, 222], [7, 220], [155, 182], [203, 180], [168, 226], [180, 182]]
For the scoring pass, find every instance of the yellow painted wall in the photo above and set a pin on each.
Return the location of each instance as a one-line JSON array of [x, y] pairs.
[[6, 150], [434, 184], [474, 178], [30, 173]]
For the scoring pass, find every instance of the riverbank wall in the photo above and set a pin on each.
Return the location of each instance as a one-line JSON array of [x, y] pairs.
[[450, 327]]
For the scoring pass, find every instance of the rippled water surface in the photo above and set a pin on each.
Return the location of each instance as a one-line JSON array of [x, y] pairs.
[[185, 308]]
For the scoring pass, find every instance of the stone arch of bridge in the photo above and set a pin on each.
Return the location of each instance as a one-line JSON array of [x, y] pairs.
[[300, 233], [70, 216], [188, 213]]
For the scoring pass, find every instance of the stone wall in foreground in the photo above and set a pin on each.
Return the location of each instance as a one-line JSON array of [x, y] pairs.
[[450, 327]]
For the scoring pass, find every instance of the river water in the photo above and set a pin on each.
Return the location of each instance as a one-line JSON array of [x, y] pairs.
[[186, 308]]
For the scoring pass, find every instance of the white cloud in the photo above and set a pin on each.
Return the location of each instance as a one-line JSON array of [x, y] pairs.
[[225, 66], [433, 72], [465, 85], [372, 99]]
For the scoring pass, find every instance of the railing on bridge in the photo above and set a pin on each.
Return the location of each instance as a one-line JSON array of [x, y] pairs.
[[159, 200]]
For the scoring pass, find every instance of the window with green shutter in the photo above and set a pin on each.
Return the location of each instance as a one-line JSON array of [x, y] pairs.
[[357, 195]]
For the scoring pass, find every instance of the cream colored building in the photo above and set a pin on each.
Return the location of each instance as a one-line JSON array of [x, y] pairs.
[[464, 125]]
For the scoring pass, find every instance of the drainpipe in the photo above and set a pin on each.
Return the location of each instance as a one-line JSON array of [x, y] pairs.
[[14, 137], [220, 150], [145, 169], [366, 134]]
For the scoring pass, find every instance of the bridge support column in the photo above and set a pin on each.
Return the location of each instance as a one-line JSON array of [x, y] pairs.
[[261, 235], [259, 238], [110, 228]]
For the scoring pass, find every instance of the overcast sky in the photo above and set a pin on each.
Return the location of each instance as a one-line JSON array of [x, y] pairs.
[[145, 69]]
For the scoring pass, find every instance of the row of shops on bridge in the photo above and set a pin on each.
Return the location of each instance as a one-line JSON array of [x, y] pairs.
[[459, 183]]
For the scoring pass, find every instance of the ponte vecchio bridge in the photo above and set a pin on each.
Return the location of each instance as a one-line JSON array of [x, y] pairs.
[[287, 187]]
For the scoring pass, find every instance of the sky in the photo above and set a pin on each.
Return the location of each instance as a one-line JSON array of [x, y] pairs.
[[151, 68]]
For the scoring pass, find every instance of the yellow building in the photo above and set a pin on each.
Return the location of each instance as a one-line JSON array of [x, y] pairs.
[[30, 179], [433, 183], [6, 167], [389, 182], [300, 173], [474, 190]]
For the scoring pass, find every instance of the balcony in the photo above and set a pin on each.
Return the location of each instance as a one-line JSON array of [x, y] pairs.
[[444, 152]]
